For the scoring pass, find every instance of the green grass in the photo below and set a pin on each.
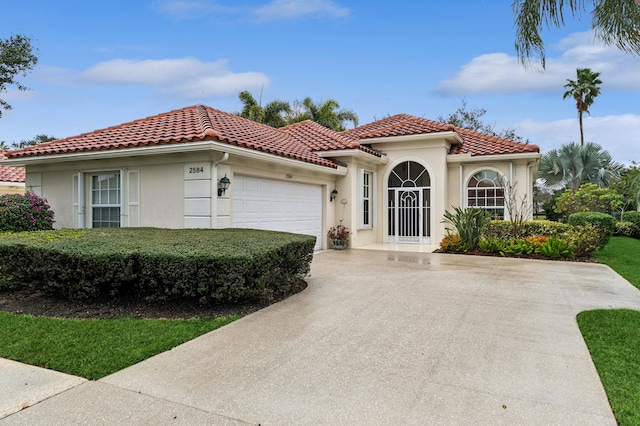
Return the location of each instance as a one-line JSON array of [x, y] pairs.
[[621, 254], [94, 348], [613, 336]]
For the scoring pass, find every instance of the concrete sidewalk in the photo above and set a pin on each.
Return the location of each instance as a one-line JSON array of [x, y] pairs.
[[377, 338]]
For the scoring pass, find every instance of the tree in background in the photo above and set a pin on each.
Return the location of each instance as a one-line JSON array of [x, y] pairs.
[[615, 22], [273, 114], [37, 140], [628, 185], [326, 114], [584, 89], [472, 120], [16, 58], [572, 165], [280, 113]]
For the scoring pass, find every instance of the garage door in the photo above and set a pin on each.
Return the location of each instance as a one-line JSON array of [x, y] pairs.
[[277, 206]]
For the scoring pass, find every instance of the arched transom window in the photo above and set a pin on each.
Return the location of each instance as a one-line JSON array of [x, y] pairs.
[[486, 190]]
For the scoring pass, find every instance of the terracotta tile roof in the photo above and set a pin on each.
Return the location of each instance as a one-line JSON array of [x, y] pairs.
[[473, 143], [300, 141], [477, 144], [10, 174], [397, 125], [318, 138], [190, 124]]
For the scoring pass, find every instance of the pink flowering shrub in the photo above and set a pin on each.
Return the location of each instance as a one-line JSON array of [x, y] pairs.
[[25, 212]]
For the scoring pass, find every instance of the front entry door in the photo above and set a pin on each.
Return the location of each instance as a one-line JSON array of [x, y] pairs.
[[409, 215], [409, 208]]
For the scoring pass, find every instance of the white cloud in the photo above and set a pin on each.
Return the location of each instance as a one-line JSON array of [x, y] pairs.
[[187, 77], [502, 73], [618, 134], [291, 9], [275, 10]]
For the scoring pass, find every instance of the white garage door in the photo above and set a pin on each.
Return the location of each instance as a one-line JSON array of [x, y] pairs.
[[277, 206]]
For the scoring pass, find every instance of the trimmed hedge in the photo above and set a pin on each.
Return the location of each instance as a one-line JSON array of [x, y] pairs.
[[530, 228], [221, 265]]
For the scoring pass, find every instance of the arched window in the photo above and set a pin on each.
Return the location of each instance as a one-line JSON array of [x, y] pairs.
[[485, 190]]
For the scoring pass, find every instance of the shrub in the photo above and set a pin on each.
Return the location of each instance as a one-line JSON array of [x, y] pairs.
[[492, 245], [604, 221], [586, 239], [452, 243], [518, 247], [25, 212], [468, 224], [224, 265], [530, 228], [555, 248], [625, 229], [634, 218], [589, 198]]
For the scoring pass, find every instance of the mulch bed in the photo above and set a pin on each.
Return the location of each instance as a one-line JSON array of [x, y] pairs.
[[29, 302], [478, 252]]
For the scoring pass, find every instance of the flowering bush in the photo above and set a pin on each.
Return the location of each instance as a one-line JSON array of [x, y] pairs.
[[452, 243], [339, 232], [25, 212], [536, 241]]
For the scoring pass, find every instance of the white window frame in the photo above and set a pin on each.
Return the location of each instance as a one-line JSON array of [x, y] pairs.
[[498, 184], [366, 192], [130, 203], [108, 205]]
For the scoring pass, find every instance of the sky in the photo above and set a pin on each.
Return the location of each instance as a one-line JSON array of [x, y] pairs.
[[105, 63]]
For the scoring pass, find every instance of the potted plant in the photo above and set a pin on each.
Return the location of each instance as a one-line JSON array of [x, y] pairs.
[[339, 236]]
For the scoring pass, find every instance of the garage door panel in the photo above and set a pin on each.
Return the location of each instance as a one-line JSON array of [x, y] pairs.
[[278, 206]]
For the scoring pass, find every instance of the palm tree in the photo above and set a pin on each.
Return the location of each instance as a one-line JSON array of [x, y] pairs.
[[615, 22], [584, 90], [271, 114], [326, 114], [573, 164]]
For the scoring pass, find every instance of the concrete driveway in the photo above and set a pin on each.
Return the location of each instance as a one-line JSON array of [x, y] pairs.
[[379, 338]]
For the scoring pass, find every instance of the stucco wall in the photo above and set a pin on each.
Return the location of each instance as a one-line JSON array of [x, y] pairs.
[[429, 152], [170, 197]]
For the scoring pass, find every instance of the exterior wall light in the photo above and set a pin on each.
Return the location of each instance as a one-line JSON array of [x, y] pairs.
[[223, 185], [333, 195]]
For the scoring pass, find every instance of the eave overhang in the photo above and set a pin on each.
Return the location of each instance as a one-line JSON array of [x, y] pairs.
[[174, 149], [451, 137], [354, 153], [468, 158]]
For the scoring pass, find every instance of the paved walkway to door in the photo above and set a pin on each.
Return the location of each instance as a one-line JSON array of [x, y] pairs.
[[379, 338]]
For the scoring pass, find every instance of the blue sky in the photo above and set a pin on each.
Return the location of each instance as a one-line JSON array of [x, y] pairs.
[[105, 63]]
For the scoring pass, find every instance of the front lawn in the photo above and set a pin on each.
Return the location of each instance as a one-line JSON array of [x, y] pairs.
[[621, 254], [613, 336], [94, 348]]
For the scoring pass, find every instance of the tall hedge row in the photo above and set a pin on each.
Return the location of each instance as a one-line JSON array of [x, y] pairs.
[[225, 265]]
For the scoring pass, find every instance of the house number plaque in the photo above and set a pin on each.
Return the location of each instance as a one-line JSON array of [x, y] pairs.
[[197, 171]]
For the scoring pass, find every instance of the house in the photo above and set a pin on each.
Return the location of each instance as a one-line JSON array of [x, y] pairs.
[[11, 178], [389, 181]]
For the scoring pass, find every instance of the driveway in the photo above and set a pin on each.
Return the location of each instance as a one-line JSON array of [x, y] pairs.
[[379, 338]]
